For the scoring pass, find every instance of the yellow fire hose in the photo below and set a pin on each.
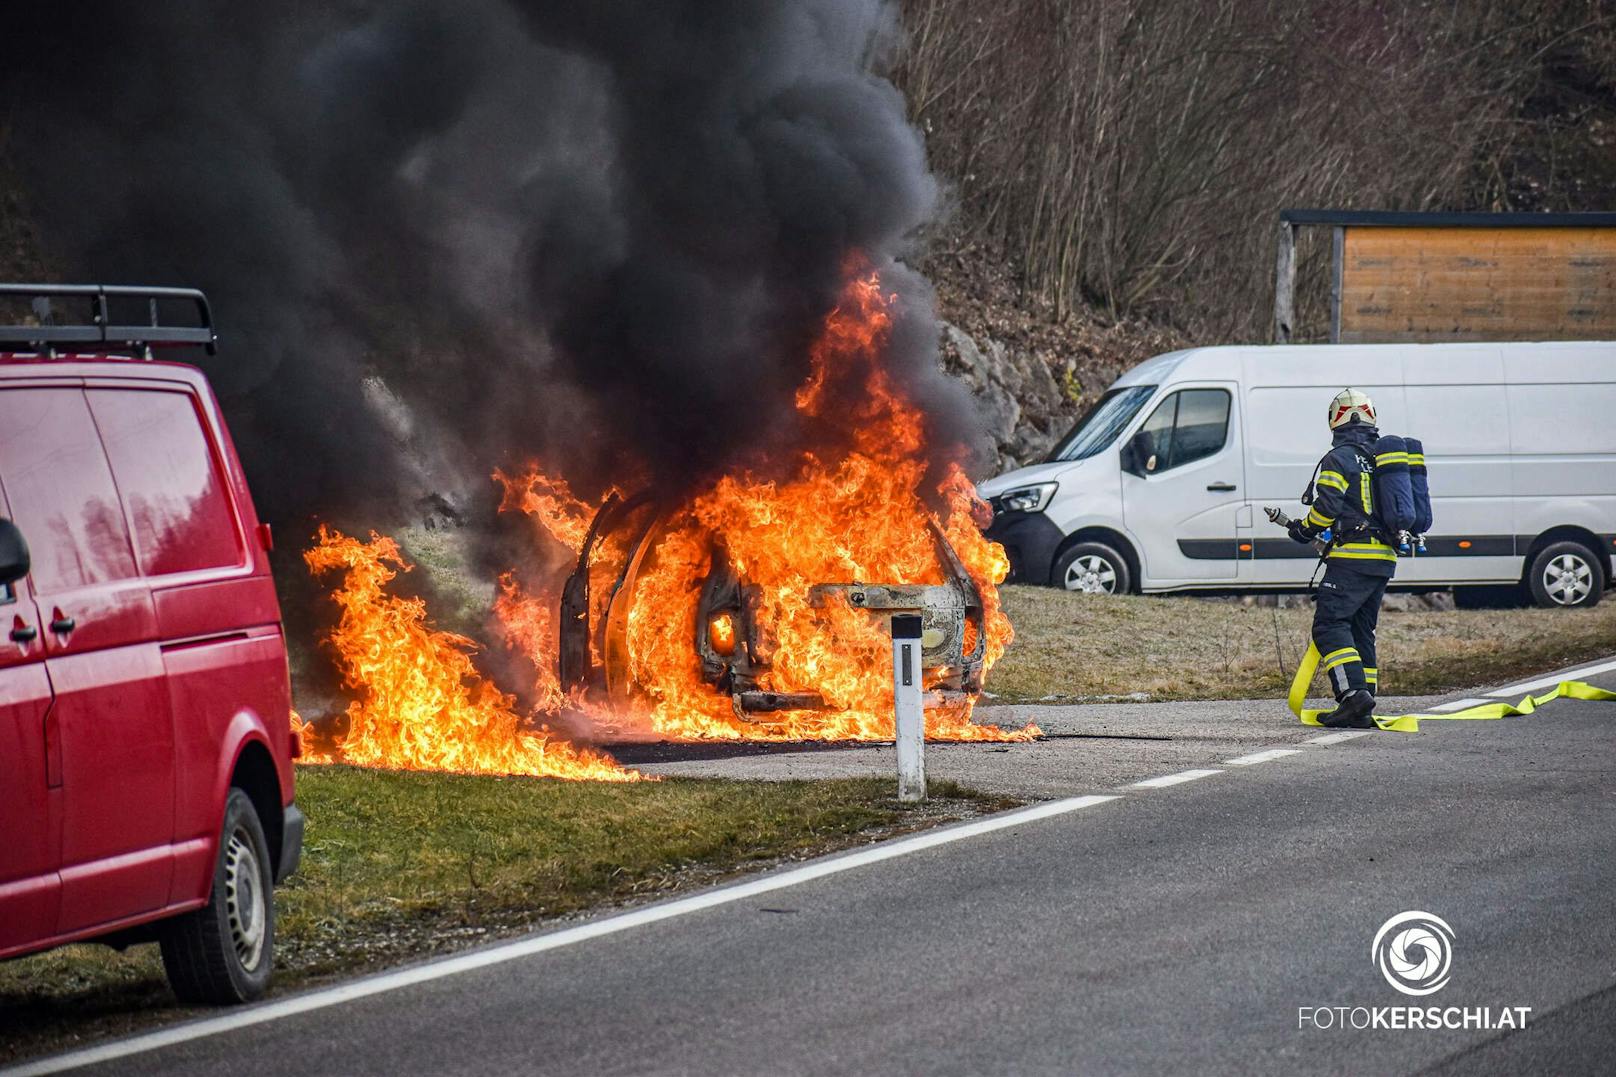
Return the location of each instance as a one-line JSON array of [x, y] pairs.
[[1410, 723]]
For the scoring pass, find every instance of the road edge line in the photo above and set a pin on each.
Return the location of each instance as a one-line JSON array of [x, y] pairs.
[[1268, 755], [1178, 778], [1551, 681], [381, 983]]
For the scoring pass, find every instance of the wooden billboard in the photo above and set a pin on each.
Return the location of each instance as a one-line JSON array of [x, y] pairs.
[[1427, 277]]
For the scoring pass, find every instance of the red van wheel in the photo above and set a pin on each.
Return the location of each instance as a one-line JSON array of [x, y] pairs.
[[222, 952]]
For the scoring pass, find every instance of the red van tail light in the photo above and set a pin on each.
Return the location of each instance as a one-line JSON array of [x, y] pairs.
[[266, 537]]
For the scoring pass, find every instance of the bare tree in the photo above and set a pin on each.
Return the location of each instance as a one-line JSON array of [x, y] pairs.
[[1131, 155]]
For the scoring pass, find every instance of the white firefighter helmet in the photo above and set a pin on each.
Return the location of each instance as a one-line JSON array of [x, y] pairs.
[[1351, 406]]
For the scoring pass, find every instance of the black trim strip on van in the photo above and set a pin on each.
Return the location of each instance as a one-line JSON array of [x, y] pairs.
[[1208, 549], [1283, 549]]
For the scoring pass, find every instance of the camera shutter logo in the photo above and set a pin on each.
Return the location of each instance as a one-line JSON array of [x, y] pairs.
[[1414, 951]]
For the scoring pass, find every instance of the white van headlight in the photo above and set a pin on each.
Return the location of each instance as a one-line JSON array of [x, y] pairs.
[[1033, 498]]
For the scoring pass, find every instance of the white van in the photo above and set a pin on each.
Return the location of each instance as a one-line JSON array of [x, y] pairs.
[[1161, 486]]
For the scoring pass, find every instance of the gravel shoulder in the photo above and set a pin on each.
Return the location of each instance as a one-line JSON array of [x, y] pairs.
[[1087, 748]]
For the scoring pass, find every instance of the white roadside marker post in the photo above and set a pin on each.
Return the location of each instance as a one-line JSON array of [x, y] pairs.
[[910, 712]]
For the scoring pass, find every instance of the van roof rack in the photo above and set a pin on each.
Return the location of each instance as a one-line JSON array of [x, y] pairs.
[[49, 332]]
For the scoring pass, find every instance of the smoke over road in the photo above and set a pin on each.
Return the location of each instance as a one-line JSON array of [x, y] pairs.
[[602, 232]]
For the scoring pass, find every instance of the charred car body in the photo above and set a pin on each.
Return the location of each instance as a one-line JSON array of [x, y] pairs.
[[729, 635]]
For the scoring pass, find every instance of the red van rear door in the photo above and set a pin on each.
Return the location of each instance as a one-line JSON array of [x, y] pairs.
[[217, 620], [112, 712], [30, 809]]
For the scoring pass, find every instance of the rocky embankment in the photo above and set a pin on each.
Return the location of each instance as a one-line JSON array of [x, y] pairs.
[[1032, 374]]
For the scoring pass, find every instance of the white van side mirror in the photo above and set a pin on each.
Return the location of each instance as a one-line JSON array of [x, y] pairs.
[[1139, 455]]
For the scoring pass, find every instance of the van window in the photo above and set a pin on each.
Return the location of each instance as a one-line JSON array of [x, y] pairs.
[[1190, 425], [60, 489], [1100, 427], [177, 503]]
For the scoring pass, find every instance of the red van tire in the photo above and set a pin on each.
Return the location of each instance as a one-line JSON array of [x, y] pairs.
[[222, 953]]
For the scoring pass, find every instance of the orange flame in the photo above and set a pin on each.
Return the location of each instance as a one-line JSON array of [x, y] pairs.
[[549, 502], [307, 738], [722, 634], [530, 628], [421, 704]]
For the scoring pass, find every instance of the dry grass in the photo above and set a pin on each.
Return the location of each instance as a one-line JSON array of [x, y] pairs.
[[1080, 647]]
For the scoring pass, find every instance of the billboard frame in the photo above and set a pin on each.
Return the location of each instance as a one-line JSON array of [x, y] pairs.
[[1339, 220]]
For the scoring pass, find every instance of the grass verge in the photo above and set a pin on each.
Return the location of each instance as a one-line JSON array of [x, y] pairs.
[[400, 865], [1078, 648]]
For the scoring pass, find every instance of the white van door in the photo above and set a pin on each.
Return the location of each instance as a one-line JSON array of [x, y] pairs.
[[1288, 435], [1184, 497], [1459, 407]]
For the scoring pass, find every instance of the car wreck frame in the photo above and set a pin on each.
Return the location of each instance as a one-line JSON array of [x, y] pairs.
[[728, 633]]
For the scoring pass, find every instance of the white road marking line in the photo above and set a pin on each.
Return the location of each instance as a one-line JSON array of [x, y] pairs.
[[1173, 779], [1458, 705], [1337, 738], [1261, 757], [611, 925], [1550, 682]]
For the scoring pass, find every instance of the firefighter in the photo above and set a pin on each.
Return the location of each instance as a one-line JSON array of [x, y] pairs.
[[1360, 559]]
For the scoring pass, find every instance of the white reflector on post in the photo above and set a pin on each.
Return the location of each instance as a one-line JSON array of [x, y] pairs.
[[910, 711]]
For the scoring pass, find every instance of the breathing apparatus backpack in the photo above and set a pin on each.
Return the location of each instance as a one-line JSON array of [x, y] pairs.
[[1397, 501], [1402, 492], [1394, 489]]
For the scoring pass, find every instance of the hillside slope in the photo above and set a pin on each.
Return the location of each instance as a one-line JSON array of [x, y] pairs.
[[1113, 175]]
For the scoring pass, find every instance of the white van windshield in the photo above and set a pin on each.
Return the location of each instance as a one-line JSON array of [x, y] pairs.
[[1100, 427]]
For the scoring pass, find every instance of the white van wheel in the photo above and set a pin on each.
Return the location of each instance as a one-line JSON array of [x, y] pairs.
[[1092, 568], [1566, 575]]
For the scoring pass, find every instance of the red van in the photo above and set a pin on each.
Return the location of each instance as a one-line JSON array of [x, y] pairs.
[[145, 743]]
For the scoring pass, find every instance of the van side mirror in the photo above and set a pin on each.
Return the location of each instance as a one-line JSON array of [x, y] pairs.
[[1139, 455], [14, 561]]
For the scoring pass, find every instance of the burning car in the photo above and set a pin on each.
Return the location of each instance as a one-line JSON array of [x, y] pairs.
[[754, 604], [747, 604], [731, 635]]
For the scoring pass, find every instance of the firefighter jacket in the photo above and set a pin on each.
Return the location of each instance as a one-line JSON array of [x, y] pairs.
[[1344, 503]]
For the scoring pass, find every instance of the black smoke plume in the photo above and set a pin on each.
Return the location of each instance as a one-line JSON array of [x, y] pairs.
[[596, 232]]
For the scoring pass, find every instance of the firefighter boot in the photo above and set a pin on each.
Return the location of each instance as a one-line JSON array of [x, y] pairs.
[[1353, 711]]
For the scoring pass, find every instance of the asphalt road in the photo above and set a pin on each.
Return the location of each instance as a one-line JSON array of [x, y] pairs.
[[1177, 928], [1087, 748]]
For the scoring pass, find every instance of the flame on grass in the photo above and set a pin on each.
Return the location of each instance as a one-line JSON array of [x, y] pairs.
[[420, 703]]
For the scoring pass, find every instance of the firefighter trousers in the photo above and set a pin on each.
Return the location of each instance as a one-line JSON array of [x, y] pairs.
[[1344, 627]]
